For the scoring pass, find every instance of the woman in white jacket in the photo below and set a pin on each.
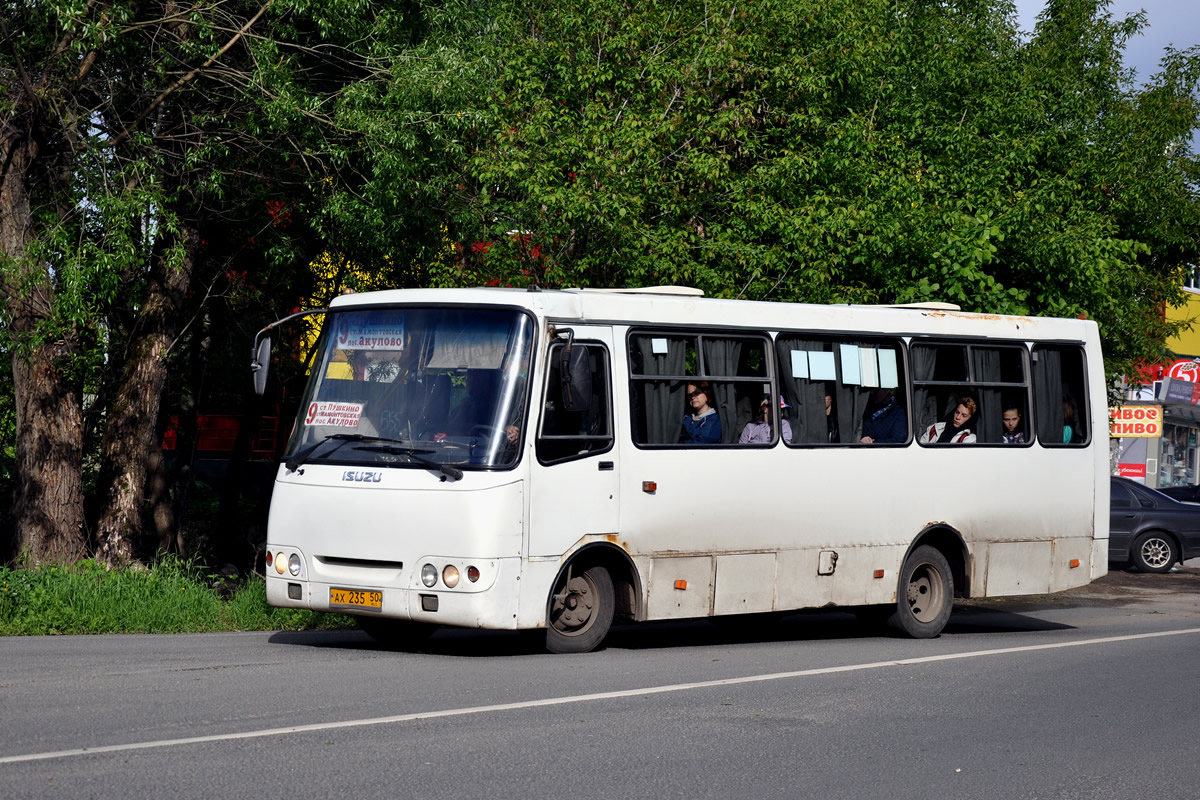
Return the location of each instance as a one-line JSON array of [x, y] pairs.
[[958, 430]]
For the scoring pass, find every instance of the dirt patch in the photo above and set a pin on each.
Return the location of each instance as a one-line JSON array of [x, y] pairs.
[[1117, 588]]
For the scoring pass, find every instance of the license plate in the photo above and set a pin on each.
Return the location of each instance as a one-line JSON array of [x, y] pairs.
[[356, 598]]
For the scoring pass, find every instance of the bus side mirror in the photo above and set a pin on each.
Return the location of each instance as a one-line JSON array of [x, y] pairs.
[[576, 370], [260, 360]]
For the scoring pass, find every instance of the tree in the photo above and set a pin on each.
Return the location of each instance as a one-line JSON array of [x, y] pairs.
[[866, 152], [126, 131]]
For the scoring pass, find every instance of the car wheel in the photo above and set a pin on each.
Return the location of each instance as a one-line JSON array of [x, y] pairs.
[[925, 594], [581, 611], [1154, 552]]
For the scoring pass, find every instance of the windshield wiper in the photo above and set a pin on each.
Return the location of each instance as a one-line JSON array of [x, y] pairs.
[[300, 456], [381, 446]]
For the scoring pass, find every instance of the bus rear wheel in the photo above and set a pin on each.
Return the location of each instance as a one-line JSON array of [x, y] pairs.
[[581, 611], [926, 594]]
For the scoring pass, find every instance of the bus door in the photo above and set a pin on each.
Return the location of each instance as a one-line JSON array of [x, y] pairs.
[[574, 484]]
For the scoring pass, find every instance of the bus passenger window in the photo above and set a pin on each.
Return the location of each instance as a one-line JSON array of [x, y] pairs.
[[985, 379], [842, 390], [696, 388], [1060, 391]]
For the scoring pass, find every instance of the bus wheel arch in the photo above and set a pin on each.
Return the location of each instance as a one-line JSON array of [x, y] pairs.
[[596, 585], [950, 543], [933, 572]]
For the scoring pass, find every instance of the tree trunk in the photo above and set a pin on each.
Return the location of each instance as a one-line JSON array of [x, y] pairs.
[[48, 504], [47, 511], [132, 417]]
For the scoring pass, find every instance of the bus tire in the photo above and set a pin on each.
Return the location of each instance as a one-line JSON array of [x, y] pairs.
[[925, 594], [581, 611], [1154, 551], [395, 633]]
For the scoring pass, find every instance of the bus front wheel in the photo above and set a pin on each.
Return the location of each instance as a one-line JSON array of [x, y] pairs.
[[581, 611], [926, 594]]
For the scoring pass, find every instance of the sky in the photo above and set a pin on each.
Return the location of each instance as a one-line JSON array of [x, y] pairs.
[[1169, 22]]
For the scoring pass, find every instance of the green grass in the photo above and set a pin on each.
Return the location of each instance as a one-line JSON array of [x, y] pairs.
[[171, 596]]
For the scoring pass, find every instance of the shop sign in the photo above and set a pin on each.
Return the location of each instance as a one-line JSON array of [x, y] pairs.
[[1186, 369], [1180, 390], [1135, 421], [1135, 471]]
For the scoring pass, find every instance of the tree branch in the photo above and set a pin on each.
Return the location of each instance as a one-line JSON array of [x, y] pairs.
[[125, 134]]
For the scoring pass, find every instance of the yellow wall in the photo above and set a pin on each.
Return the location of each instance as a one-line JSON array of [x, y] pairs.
[[1187, 343]]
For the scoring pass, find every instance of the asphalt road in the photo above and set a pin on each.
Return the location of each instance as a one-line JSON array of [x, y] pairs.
[[1088, 694]]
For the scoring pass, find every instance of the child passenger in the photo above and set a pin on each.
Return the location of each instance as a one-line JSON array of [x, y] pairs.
[[957, 430], [759, 431], [1012, 426]]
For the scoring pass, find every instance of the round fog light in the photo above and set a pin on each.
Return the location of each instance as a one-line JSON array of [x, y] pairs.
[[429, 575], [281, 560], [450, 576], [472, 574], [294, 565]]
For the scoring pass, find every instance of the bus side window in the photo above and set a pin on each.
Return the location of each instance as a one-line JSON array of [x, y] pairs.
[[566, 435], [834, 386], [1060, 394], [986, 379]]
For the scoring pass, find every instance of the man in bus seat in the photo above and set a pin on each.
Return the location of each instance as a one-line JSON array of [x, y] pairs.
[[957, 429], [883, 419], [1012, 426]]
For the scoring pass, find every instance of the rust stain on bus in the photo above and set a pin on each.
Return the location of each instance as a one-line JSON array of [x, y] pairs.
[[982, 315], [613, 538]]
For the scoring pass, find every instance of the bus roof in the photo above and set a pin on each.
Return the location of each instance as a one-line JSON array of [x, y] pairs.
[[675, 305]]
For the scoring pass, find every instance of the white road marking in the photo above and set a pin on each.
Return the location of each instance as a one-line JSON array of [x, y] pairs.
[[582, 698]]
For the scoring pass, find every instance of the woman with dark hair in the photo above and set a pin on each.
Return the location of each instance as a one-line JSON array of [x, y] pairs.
[[957, 430], [702, 424]]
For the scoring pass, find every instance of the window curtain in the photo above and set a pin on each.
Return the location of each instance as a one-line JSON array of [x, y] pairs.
[[1048, 394], [985, 364], [806, 397], [925, 410], [851, 401], [721, 357], [663, 402]]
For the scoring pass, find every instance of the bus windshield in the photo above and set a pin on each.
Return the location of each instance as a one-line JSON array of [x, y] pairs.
[[413, 386]]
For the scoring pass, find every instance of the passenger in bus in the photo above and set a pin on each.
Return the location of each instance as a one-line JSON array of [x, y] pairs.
[[760, 431], [957, 430], [831, 422], [1012, 426], [1071, 432], [701, 425], [883, 419]]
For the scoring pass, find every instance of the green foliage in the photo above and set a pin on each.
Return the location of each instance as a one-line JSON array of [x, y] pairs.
[[171, 596], [843, 151]]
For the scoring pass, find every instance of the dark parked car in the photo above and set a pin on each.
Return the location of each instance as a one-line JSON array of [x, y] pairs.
[[1149, 530], [1186, 494]]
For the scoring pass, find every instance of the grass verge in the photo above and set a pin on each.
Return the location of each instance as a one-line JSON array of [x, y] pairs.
[[171, 596]]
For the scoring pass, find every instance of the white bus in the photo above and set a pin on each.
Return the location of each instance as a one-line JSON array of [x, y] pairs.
[[508, 459]]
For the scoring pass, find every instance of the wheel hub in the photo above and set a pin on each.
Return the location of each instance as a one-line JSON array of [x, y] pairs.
[[573, 606]]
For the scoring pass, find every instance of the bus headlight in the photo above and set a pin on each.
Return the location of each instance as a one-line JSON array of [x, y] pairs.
[[294, 564], [450, 576], [429, 575], [281, 562]]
